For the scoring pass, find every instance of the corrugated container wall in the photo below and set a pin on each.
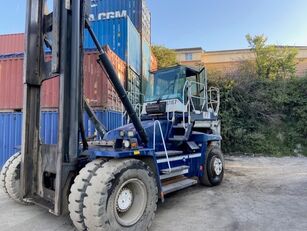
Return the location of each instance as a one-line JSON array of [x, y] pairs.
[[97, 87], [11, 87], [137, 11], [98, 90], [11, 43], [121, 36], [11, 124], [134, 86], [146, 61], [10, 134]]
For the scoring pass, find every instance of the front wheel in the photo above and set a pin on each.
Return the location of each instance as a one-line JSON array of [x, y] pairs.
[[213, 167], [122, 195]]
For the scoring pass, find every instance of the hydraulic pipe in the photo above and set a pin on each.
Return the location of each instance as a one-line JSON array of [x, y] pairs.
[[101, 129], [106, 63]]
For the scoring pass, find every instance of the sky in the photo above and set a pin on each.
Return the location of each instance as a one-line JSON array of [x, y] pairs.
[[223, 24], [210, 24]]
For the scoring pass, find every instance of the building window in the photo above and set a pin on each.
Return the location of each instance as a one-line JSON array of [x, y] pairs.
[[188, 57]]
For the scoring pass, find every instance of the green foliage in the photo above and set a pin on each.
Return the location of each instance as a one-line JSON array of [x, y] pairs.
[[263, 109], [166, 57], [261, 116], [272, 62]]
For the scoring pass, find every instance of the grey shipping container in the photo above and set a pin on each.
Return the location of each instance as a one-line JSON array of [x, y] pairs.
[[134, 86], [146, 63]]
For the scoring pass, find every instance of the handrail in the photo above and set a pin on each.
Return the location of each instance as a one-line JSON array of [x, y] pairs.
[[137, 106], [172, 117], [163, 141], [183, 96], [188, 85], [214, 103]]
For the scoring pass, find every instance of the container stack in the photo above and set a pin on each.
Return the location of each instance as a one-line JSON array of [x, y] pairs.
[[98, 91], [125, 25], [97, 88]]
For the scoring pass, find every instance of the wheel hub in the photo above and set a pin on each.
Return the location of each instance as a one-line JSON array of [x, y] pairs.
[[218, 166], [130, 202], [125, 200]]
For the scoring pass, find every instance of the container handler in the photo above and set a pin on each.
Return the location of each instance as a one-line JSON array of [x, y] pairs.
[[112, 183]]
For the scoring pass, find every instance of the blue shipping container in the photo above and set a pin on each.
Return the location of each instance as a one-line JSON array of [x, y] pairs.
[[121, 36], [10, 135], [137, 11], [11, 129]]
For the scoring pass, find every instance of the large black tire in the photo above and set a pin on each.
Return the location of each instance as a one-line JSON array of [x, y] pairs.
[[213, 174], [10, 178], [121, 196], [77, 192]]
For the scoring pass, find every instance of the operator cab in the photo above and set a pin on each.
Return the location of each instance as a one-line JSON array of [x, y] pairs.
[[178, 89]]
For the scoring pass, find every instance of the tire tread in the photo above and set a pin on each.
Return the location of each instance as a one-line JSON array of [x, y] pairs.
[[78, 192], [4, 170], [204, 180], [95, 217]]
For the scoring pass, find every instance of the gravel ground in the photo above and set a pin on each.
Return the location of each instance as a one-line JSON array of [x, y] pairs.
[[257, 194]]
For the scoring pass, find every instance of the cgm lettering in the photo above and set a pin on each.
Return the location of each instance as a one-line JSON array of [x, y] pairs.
[[108, 15]]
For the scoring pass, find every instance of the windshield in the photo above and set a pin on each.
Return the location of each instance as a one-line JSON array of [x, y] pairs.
[[166, 84]]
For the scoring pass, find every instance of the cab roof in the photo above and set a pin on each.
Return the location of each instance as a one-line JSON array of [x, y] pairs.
[[189, 71]]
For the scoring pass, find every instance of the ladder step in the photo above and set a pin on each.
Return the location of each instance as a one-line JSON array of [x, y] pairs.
[[179, 158], [169, 153], [177, 138], [178, 185], [177, 171], [180, 126]]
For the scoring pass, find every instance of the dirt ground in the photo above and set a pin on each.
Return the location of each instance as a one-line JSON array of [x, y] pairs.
[[257, 194]]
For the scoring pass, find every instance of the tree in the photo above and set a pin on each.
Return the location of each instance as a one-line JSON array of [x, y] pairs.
[[272, 62], [165, 56]]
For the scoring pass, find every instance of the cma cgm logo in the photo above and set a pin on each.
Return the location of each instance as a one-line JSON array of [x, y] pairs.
[[108, 15]]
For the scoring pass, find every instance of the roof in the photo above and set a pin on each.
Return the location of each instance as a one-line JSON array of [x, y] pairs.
[[249, 49], [231, 50], [189, 49], [189, 70], [12, 34]]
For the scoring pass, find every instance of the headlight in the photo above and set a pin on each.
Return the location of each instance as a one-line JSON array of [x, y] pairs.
[[130, 134], [126, 143], [122, 133]]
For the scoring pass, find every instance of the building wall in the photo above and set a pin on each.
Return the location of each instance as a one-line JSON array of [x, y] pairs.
[[229, 60], [187, 55]]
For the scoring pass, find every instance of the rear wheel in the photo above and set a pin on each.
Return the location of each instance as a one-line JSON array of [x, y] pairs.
[[213, 167], [10, 178], [122, 196]]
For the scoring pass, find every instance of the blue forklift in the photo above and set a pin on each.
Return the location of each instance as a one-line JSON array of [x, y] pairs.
[[113, 182]]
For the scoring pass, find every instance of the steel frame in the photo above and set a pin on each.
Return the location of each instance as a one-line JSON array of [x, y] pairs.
[[46, 170]]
